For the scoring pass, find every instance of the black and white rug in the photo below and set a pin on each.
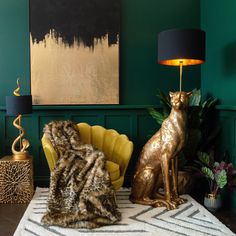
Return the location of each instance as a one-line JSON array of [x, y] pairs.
[[189, 219]]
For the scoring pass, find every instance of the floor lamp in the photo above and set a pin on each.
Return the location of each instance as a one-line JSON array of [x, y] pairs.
[[181, 47]]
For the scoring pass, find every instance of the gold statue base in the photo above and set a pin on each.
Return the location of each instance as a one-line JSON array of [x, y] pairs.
[[21, 156]]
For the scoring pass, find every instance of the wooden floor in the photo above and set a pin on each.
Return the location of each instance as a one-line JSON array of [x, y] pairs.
[[10, 215], [228, 218]]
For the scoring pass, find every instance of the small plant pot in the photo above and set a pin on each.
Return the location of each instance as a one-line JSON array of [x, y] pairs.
[[212, 202]]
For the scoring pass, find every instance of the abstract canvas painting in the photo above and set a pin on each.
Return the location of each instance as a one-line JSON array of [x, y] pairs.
[[74, 51]]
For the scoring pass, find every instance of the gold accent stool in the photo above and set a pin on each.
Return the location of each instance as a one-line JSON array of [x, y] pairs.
[[16, 180]]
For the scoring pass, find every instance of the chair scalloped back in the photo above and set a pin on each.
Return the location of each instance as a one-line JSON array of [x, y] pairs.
[[116, 147]]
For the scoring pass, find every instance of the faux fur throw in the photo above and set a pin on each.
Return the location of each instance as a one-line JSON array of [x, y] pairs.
[[81, 194]]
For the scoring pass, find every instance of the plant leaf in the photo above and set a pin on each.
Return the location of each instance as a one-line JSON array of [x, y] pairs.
[[203, 157], [221, 178], [195, 99], [216, 164], [164, 101], [164, 98], [158, 116], [207, 106], [212, 102], [207, 172], [199, 163]]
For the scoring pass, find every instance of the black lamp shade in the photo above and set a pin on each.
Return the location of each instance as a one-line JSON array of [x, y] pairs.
[[186, 45], [19, 105]]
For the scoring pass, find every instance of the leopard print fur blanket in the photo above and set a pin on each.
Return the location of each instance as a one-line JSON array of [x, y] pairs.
[[81, 194]]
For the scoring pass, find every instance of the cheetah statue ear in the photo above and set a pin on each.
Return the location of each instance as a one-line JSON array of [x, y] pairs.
[[171, 94]]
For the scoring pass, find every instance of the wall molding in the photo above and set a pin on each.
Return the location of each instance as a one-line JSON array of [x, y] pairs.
[[226, 107], [87, 107]]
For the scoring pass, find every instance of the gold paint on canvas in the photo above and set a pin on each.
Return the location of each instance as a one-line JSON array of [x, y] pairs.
[[74, 75]]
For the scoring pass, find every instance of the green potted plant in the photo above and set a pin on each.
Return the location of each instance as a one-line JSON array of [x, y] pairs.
[[218, 176], [201, 132]]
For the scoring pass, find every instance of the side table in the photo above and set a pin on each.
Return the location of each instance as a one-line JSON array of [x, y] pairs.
[[16, 180]]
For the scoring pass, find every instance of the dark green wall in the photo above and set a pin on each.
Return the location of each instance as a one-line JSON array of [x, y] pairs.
[[140, 75], [14, 49], [141, 20], [218, 19]]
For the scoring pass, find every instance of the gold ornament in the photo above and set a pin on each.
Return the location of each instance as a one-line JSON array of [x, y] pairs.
[[157, 164], [24, 143]]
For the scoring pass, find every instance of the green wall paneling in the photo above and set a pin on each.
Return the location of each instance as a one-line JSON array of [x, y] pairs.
[[134, 121], [90, 119], [44, 119], [120, 122]]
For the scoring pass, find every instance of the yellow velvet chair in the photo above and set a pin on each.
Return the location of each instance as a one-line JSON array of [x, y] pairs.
[[116, 147]]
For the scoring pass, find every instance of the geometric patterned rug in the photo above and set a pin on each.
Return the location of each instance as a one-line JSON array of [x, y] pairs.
[[137, 220]]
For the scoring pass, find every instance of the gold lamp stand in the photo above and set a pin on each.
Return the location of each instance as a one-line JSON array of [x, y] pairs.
[[18, 105], [22, 154]]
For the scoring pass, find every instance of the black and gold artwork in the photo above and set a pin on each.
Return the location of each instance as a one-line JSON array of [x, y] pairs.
[[74, 47]]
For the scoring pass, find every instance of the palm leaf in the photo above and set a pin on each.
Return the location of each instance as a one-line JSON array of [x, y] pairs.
[[159, 117], [164, 101], [195, 98]]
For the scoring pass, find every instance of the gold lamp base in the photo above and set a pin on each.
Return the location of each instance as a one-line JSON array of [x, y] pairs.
[[18, 105], [21, 156]]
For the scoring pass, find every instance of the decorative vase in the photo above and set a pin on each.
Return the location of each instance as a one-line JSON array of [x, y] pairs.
[[212, 202]]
